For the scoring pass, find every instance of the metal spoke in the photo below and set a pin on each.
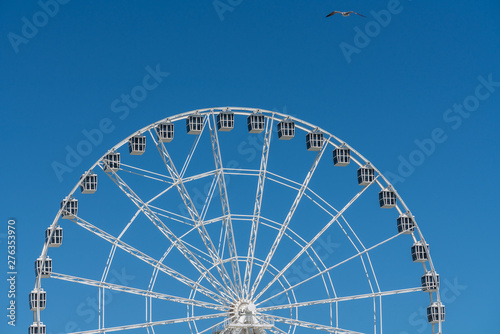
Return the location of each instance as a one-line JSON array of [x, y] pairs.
[[313, 240], [231, 243], [149, 260], [330, 268], [179, 244], [216, 260], [140, 292], [287, 219], [339, 299], [151, 324], [311, 325], [257, 206]]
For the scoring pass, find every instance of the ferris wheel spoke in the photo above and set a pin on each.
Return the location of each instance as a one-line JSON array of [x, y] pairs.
[[288, 219], [140, 292], [147, 259], [330, 268], [311, 325], [231, 243], [195, 217], [313, 240], [340, 299], [257, 206], [179, 244], [151, 324]]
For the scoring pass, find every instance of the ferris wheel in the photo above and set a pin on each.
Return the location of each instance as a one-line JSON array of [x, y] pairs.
[[245, 221]]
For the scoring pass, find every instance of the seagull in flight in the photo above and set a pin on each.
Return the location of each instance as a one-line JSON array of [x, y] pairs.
[[344, 13]]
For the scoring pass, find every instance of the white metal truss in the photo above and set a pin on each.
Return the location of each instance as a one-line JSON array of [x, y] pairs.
[[151, 324], [340, 299], [257, 206], [287, 220], [176, 177], [140, 292], [311, 325], [149, 260], [231, 243], [179, 244], [313, 240]]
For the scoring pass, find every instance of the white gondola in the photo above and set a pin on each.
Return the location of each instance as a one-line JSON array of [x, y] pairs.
[[341, 156], [314, 141], [70, 208], [256, 123], [111, 162], [429, 282], [435, 313], [37, 328], [286, 129], [89, 183], [57, 236], [366, 175], [137, 145], [387, 198], [194, 124], [47, 268], [418, 252], [405, 223], [165, 132], [225, 121], [37, 300]]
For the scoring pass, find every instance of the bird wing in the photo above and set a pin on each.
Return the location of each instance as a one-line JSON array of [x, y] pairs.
[[351, 12], [333, 13]]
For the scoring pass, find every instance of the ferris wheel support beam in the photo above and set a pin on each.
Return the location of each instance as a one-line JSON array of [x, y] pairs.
[[216, 260], [257, 206], [313, 240], [151, 324], [147, 259], [179, 244], [305, 324], [135, 291], [330, 268], [231, 243], [288, 218], [340, 299]]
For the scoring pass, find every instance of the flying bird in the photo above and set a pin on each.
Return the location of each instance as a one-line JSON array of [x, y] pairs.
[[344, 13]]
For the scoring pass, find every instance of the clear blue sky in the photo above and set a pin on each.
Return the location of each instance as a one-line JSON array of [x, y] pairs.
[[428, 71]]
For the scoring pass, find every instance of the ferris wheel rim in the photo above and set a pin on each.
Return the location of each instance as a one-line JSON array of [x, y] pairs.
[[302, 125]]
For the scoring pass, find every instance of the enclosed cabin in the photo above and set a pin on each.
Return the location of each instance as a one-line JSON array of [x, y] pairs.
[[194, 124], [69, 206], [256, 123], [89, 183], [435, 313], [225, 121], [419, 252], [36, 328], [286, 129], [405, 223], [111, 162], [165, 132], [43, 268], [314, 140], [57, 236], [430, 281], [137, 145], [37, 300], [341, 156], [387, 198], [366, 175]]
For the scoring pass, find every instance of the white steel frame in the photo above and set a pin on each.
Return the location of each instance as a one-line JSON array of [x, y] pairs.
[[235, 294]]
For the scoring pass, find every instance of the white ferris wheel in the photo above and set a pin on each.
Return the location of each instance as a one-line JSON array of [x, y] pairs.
[[243, 222]]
